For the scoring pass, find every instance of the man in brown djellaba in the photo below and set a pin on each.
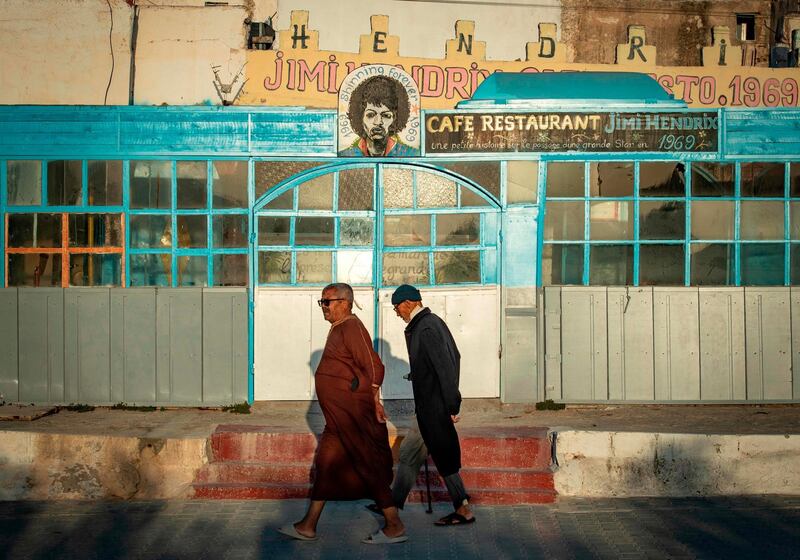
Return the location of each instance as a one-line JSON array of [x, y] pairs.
[[353, 459]]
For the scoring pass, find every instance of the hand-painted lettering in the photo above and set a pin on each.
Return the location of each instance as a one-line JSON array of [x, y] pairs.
[[636, 45], [465, 44], [301, 36], [379, 42], [550, 50]]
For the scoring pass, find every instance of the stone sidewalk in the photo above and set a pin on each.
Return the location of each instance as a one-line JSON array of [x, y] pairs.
[[653, 528], [612, 450]]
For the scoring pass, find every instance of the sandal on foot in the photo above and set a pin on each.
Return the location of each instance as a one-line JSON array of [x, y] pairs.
[[381, 538], [291, 531], [454, 519]]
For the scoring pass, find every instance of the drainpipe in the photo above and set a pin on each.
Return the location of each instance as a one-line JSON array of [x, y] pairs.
[[132, 73]]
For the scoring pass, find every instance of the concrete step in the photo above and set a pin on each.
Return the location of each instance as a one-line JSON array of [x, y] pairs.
[[500, 466], [281, 491], [480, 447], [481, 477]]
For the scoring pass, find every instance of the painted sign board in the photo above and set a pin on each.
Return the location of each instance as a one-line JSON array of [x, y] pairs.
[[378, 113], [491, 132], [298, 73]]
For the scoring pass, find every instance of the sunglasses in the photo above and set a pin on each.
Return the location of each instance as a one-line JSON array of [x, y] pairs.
[[327, 302]]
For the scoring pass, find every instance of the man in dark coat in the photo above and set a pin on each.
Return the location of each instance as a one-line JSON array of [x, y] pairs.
[[435, 362]]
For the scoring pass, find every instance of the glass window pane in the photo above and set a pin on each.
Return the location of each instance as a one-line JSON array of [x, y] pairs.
[[564, 220], [192, 231], [762, 179], [104, 183], [712, 220], [795, 248], [94, 270], [522, 181], [24, 182], [312, 230], [229, 184], [761, 220], [64, 182], [355, 231], [34, 230], [458, 229], [712, 179], [230, 231], [794, 208], [274, 267], [355, 188], [230, 270], [192, 184], [661, 265], [151, 231], [562, 264], [283, 202], [794, 179], [405, 231], [611, 220], [314, 267], [611, 178], [34, 270], [354, 267], [565, 179], [272, 173], [611, 265], [662, 219], [762, 264], [435, 191], [662, 178], [192, 270], [151, 184], [483, 173], [471, 198], [456, 267], [273, 230], [316, 194], [151, 270], [397, 188], [405, 268], [95, 230], [712, 264]]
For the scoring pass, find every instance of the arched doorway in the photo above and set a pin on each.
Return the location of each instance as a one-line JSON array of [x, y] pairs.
[[374, 226]]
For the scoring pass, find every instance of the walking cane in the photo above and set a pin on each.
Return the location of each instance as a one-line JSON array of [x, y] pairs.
[[428, 486]]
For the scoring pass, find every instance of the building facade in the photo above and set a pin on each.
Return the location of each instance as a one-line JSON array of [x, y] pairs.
[[622, 234]]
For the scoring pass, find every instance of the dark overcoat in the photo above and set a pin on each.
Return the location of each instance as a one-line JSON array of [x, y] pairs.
[[435, 362]]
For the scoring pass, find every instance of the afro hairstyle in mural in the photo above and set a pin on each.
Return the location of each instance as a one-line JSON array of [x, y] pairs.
[[379, 90]]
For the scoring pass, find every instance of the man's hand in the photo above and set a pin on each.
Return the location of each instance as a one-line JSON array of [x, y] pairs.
[[454, 418], [380, 412]]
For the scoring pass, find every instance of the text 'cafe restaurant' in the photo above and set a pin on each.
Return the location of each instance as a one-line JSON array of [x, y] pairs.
[[586, 237]]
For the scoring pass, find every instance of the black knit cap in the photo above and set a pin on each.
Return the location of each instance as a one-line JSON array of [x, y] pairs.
[[405, 292]]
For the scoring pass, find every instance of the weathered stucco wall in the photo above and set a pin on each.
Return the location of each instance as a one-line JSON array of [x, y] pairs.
[[679, 28], [178, 48], [37, 466], [604, 464], [425, 26], [59, 52]]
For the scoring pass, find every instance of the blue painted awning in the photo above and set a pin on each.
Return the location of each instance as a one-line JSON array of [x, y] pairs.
[[597, 90]]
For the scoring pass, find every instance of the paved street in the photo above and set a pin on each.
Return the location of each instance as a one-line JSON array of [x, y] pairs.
[[761, 528]]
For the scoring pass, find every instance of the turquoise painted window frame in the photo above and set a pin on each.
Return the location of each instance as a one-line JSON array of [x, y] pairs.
[[688, 199], [125, 209], [209, 251], [487, 248]]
